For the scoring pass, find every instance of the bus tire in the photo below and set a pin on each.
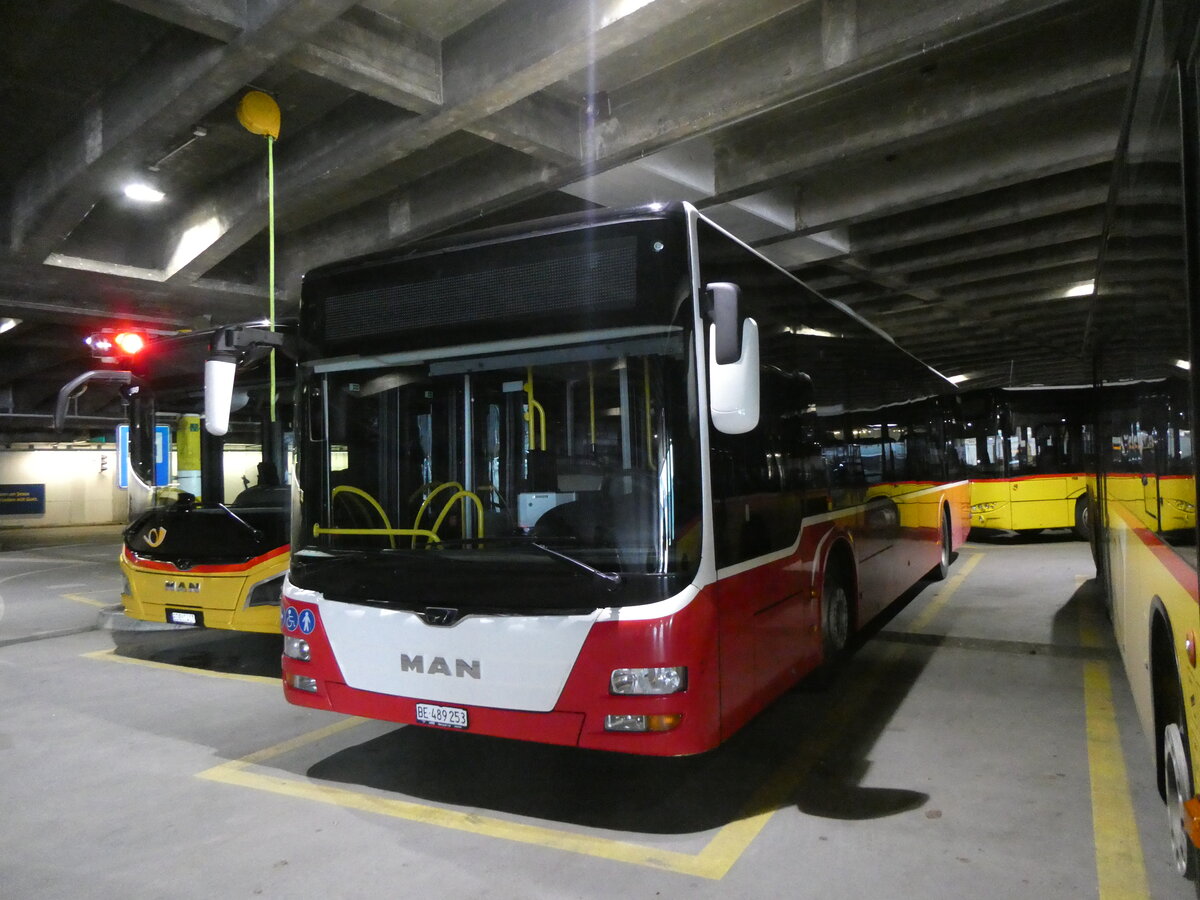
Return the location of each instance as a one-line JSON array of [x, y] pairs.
[[1083, 519], [835, 614], [1177, 780], [942, 569]]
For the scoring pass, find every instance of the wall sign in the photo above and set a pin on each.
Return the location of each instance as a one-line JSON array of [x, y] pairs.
[[22, 499]]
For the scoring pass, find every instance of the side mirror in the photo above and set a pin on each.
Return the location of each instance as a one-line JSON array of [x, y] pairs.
[[228, 346], [218, 393], [733, 377]]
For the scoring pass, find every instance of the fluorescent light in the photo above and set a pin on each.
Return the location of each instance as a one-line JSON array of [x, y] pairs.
[[143, 193], [8, 324], [1183, 364], [1081, 290], [957, 379], [808, 332]]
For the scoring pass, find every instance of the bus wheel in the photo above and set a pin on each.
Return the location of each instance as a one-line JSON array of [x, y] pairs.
[[1177, 778], [942, 569], [1083, 519], [835, 615]]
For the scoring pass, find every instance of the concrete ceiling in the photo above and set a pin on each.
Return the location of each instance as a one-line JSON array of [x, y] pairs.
[[940, 166]]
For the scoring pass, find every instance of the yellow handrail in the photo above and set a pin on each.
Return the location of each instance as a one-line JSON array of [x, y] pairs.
[[453, 485], [389, 532], [449, 503], [534, 408], [359, 492]]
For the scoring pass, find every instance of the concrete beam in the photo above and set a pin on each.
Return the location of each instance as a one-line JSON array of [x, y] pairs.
[[951, 94], [1039, 143], [487, 67], [376, 56], [181, 80]]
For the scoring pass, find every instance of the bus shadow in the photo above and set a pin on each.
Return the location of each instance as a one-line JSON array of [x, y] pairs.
[[1001, 538], [210, 650], [809, 750]]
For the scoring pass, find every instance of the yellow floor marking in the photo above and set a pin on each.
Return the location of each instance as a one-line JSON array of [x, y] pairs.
[[1120, 871], [79, 598], [111, 656], [943, 596], [713, 862]]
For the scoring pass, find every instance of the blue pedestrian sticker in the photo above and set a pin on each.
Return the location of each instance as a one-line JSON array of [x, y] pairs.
[[307, 621], [290, 619]]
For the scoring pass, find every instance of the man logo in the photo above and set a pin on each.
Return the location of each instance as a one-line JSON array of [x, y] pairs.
[[439, 666], [182, 587], [155, 536]]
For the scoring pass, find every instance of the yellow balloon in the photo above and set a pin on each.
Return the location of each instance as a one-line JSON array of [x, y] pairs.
[[259, 114]]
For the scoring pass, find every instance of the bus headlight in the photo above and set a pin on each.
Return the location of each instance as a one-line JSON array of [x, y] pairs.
[[662, 680], [643, 723], [296, 648], [1179, 505], [266, 593]]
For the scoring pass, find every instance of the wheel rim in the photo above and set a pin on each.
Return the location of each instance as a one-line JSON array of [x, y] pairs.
[[1176, 814], [945, 546], [838, 618]]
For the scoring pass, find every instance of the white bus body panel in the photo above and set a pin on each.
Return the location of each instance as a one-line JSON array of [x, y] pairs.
[[521, 662]]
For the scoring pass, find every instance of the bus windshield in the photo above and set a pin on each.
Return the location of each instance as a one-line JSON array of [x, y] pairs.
[[564, 474]]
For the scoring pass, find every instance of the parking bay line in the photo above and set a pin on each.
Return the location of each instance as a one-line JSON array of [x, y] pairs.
[[713, 862], [112, 656]]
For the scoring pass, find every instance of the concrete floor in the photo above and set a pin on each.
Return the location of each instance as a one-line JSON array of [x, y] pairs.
[[957, 755]]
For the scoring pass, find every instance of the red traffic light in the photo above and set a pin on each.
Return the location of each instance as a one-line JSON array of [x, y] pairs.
[[130, 342], [111, 345]]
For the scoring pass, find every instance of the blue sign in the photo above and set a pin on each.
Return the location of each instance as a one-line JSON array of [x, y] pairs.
[[290, 619], [162, 455], [307, 621], [22, 499]]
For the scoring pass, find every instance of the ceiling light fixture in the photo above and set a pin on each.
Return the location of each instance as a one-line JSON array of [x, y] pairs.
[[1081, 290], [957, 379], [143, 193], [8, 324], [1183, 364]]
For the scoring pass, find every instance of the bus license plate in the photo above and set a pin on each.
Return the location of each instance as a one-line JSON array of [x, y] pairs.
[[442, 716], [185, 616]]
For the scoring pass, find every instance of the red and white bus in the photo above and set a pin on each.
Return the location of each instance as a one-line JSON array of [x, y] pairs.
[[611, 480]]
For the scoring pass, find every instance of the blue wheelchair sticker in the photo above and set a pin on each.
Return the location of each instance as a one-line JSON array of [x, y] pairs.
[[307, 621], [290, 619]]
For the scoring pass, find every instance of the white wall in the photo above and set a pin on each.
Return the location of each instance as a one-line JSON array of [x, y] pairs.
[[77, 491]]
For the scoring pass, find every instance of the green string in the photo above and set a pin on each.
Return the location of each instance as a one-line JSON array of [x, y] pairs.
[[271, 257]]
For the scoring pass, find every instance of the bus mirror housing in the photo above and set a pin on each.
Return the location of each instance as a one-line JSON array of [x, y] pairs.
[[218, 393], [733, 388], [228, 346]]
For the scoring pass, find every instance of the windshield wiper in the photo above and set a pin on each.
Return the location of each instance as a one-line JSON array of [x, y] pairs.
[[255, 532], [611, 578]]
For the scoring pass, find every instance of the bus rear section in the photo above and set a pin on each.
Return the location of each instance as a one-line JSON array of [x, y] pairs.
[[565, 484]]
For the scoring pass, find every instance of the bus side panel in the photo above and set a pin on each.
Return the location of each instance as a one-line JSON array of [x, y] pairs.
[[770, 628], [1045, 501], [1142, 570], [915, 546]]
